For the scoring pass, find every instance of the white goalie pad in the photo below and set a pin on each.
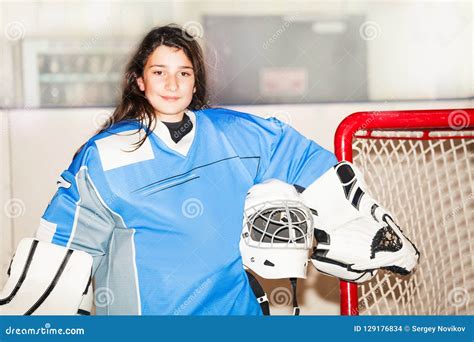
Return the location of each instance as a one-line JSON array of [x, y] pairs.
[[356, 236], [47, 279]]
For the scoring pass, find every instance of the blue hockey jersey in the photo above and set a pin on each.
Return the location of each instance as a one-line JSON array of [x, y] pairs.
[[163, 223]]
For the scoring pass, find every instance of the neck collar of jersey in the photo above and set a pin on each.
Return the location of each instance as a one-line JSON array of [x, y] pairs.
[[182, 147]]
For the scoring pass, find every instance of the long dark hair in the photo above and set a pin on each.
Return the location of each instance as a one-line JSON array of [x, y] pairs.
[[133, 103]]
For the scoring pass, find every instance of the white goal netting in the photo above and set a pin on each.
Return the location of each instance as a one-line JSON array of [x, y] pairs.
[[428, 185]]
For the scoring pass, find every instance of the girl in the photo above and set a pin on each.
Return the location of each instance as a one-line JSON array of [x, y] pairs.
[[156, 197]]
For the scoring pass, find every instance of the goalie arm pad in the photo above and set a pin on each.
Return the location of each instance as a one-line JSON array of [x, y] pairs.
[[78, 216], [356, 235], [47, 279]]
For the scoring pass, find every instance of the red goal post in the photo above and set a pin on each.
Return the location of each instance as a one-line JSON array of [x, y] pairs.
[[387, 143]]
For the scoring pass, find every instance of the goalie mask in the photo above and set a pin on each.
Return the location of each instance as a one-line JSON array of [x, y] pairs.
[[277, 231]]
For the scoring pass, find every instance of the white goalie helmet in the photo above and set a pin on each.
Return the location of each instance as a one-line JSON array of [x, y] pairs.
[[277, 231]]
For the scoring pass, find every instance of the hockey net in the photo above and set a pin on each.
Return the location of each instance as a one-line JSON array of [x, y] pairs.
[[419, 165]]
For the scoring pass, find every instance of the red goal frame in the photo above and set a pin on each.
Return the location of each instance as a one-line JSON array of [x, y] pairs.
[[361, 125]]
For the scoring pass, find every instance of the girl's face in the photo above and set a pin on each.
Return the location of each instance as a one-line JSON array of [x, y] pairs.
[[168, 82]]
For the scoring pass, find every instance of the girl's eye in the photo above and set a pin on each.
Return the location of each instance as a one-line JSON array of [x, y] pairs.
[[185, 73], [158, 72]]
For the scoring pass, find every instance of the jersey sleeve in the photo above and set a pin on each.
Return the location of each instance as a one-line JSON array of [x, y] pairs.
[[77, 216], [290, 156]]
